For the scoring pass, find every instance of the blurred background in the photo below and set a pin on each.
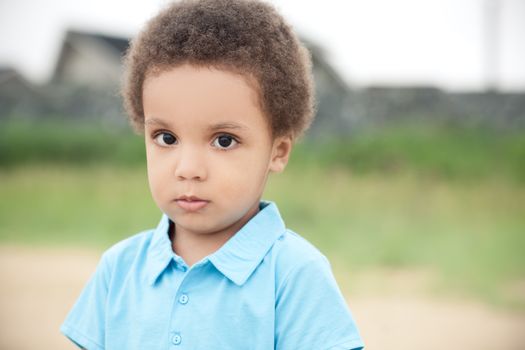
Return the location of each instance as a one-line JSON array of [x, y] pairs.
[[411, 179]]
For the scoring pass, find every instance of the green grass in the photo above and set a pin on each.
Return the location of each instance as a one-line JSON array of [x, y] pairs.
[[429, 150], [68, 142], [471, 233], [93, 206]]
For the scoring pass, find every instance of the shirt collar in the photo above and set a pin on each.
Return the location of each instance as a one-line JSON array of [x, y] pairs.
[[160, 252], [237, 258], [242, 253]]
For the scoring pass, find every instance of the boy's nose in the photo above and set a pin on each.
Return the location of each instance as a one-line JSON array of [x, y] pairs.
[[190, 165]]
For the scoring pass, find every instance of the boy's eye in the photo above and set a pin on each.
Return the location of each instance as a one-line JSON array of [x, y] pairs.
[[165, 139], [224, 142]]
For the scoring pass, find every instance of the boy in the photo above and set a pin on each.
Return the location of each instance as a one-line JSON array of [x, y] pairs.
[[220, 89]]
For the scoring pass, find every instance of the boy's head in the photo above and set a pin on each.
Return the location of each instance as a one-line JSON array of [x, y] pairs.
[[245, 37], [220, 88]]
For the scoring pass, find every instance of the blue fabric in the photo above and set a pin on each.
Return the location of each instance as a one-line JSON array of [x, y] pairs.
[[265, 288]]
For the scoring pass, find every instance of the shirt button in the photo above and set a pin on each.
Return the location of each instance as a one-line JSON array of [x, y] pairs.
[[183, 299], [176, 339]]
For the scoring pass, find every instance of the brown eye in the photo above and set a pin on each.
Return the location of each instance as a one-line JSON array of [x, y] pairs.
[[224, 142], [165, 139]]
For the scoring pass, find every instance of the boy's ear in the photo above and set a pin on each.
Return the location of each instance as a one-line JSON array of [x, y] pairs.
[[282, 147]]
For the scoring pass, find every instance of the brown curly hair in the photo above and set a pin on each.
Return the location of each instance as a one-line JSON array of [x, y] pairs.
[[248, 37]]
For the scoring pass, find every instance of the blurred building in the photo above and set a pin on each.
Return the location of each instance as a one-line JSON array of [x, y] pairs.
[[90, 59], [18, 96]]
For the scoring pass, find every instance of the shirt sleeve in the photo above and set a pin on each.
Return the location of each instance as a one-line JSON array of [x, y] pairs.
[[311, 312], [85, 323]]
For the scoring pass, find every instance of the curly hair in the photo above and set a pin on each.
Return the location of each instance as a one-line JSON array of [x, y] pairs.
[[247, 37]]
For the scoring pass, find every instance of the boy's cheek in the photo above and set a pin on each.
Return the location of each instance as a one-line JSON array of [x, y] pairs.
[[159, 163], [156, 185]]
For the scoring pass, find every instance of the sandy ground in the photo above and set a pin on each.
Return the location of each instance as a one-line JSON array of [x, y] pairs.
[[38, 286]]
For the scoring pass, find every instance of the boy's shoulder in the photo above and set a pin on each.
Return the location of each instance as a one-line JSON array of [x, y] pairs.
[[294, 254], [295, 247], [128, 249]]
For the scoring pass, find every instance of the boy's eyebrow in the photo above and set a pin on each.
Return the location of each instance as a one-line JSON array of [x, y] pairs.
[[156, 121], [218, 126], [226, 125]]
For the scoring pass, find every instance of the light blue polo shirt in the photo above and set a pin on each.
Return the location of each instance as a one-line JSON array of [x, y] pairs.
[[265, 288]]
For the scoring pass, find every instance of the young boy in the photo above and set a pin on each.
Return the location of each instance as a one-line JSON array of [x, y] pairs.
[[220, 89]]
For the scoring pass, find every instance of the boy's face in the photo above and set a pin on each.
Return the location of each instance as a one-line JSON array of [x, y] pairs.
[[209, 148]]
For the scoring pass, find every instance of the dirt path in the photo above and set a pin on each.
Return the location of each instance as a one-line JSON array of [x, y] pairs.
[[38, 286]]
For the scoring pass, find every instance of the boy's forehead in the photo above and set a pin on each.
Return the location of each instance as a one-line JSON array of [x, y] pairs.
[[209, 72], [209, 95]]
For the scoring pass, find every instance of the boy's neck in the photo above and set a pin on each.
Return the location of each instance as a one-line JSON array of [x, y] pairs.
[[193, 247]]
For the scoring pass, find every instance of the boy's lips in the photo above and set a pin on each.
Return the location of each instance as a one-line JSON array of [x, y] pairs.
[[191, 203]]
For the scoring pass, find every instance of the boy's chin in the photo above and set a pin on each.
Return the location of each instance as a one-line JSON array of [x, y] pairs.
[[198, 225]]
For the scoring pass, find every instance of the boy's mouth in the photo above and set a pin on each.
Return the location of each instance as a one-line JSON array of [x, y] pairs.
[[191, 203]]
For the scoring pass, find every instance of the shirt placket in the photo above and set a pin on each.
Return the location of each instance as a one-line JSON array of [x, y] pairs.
[[180, 336]]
